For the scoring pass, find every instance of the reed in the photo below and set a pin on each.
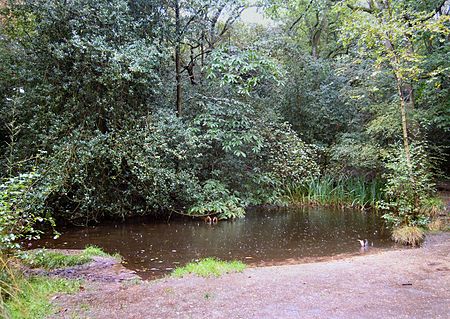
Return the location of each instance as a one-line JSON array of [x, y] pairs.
[[355, 192]]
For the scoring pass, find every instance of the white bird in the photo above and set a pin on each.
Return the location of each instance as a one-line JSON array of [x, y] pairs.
[[364, 243]]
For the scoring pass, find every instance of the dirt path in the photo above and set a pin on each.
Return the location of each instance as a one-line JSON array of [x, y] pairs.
[[410, 283]]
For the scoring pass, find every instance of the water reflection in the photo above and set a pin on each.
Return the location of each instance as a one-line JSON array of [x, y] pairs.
[[263, 237]]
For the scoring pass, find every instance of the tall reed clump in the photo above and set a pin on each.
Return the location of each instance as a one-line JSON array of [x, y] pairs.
[[354, 192]]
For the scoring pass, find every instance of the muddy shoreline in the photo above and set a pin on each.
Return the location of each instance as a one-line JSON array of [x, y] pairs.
[[407, 283]]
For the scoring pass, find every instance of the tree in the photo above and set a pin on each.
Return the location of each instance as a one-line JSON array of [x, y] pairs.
[[391, 31], [198, 25], [310, 21]]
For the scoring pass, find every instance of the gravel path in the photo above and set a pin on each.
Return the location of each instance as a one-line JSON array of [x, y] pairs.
[[409, 283]]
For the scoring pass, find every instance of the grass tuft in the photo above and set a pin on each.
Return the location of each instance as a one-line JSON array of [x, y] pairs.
[[54, 260], [23, 297], [438, 224], [408, 235], [93, 251], [32, 299], [209, 267], [432, 207]]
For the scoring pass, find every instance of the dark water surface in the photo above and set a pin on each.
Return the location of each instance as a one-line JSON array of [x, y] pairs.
[[264, 236]]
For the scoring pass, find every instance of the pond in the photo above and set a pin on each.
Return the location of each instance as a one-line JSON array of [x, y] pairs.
[[263, 237]]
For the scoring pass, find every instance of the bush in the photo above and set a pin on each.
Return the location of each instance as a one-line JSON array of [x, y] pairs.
[[355, 155], [216, 199], [22, 211], [216, 160], [95, 99], [408, 190]]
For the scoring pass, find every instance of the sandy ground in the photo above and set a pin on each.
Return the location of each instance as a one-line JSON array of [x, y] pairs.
[[408, 283]]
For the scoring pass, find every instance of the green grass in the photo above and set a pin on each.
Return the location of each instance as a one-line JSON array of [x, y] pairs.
[[209, 267], [28, 297], [92, 251], [53, 260], [31, 297], [341, 192]]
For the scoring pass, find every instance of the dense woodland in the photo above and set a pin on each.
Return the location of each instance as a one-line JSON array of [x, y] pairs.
[[116, 108]]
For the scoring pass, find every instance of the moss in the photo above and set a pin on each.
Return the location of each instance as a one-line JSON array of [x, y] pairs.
[[408, 235], [209, 267]]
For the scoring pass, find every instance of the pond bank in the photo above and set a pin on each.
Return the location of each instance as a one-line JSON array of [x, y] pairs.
[[408, 283], [105, 269]]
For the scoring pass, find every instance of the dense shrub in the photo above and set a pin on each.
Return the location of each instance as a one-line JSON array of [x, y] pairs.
[[218, 160], [408, 189], [22, 210]]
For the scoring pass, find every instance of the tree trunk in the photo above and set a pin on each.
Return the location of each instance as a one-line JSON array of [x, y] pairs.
[[403, 99], [178, 59], [315, 41], [315, 51], [404, 123], [202, 57]]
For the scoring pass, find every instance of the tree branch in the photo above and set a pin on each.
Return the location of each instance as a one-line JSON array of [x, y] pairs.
[[359, 8], [436, 11], [301, 17]]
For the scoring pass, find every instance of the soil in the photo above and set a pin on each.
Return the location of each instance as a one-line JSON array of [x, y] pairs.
[[407, 283]]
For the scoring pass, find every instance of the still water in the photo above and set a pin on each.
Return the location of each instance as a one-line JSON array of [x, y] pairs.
[[263, 237]]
